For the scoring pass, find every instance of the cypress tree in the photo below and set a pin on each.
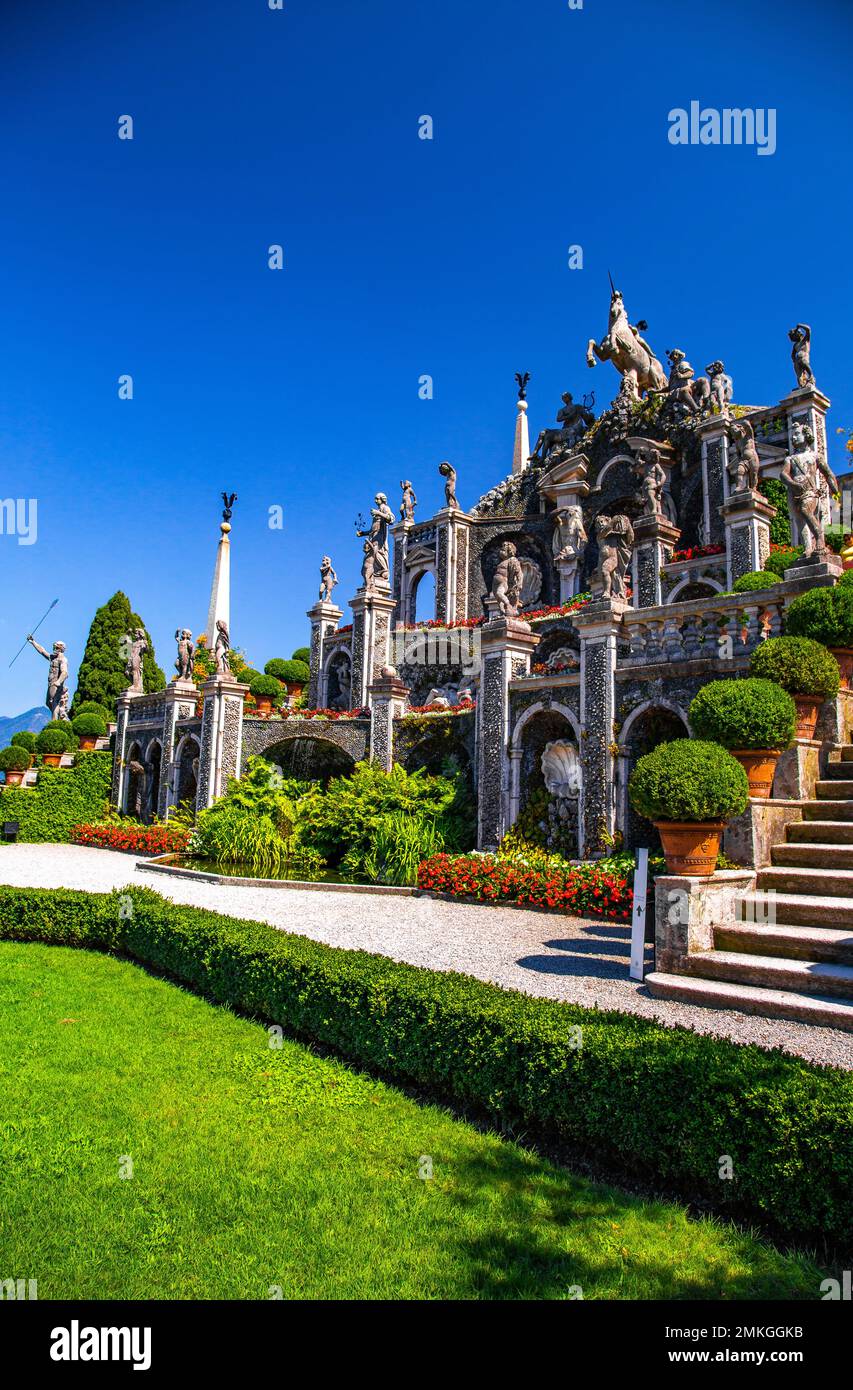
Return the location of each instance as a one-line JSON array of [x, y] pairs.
[[101, 676]]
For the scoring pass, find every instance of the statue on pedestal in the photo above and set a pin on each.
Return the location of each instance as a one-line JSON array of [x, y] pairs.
[[408, 503], [652, 479], [626, 349], [508, 581], [722, 390], [328, 579], [615, 537], [448, 472], [810, 481], [135, 646], [743, 468], [801, 354], [377, 540], [186, 653], [573, 422], [222, 648], [57, 677]]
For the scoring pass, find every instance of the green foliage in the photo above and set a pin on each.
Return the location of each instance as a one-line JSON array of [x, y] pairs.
[[777, 495], [255, 824], [292, 672], [102, 677], [302, 654], [780, 560], [755, 579], [15, 759], [400, 842], [845, 580], [265, 686], [25, 739], [89, 725], [744, 714], [647, 1099], [800, 665], [56, 737], [61, 799], [688, 780], [92, 707], [276, 667], [834, 536], [825, 615]]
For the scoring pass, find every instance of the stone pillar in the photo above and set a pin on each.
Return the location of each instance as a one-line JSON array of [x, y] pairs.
[[451, 574], [372, 614], [387, 703], [506, 648], [400, 577], [180, 697], [715, 477], [521, 448], [324, 618], [123, 704], [221, 737], [598, 625], [747, 516], [655, 538]]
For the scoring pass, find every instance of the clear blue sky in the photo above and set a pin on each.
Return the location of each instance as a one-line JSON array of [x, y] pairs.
[[299, 388]]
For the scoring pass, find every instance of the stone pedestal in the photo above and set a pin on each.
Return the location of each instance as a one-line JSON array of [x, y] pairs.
[[713, 433], [324, 618], [818, 572], [451, 572], [569, 572], [372, 613], [598, 625], [221, 737], [746, 517], [387, 703], [180, 698], [506, 648], [749, 838], [655, 538], [688, 909]]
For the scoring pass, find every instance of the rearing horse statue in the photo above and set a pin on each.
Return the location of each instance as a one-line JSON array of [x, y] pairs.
[[630, 354]]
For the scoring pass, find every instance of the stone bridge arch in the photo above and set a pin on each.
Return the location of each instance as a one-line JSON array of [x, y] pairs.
[[307, 748]]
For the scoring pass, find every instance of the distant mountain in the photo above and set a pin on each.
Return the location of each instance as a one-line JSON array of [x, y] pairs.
[[31, 719]]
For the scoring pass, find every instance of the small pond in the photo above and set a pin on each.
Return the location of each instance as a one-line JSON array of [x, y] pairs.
[[211, 866]]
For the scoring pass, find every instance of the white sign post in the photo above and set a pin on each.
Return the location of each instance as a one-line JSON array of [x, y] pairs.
[[638, 922]]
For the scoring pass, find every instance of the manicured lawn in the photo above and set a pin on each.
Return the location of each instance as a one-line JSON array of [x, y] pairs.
[[255, 1168]]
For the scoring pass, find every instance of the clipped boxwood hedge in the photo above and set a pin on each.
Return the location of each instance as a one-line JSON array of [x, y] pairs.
[[688, 780], [265, 686], [755, 579], [744, 714], [62, 798], [89, 726], [800, 665], [825, 615], [56, 737], [659, 1103], [25, 739]]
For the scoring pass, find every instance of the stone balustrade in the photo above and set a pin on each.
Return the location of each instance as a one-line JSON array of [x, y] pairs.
[[724, 627]]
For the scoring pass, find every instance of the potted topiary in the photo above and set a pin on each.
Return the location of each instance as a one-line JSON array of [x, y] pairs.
[[802, 667], [689, 789], [826, 615], [265, 690], [15, 761], [25, 739], [93, 707], [55, 739], [89, 728], [294, 674], [754, 719]]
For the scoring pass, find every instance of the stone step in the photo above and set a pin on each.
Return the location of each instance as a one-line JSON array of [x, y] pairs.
[[821, 832], [751, 999], [774, 972], [839, 772], [823, 883], [847, 752], [790, 942], [823, 855], [797, 909], [834, 789], [827, 810]]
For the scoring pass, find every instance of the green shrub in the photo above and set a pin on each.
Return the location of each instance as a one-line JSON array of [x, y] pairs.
[[825, 615], [25, 739], [276, 667], [845, 580], [755, 579], [688, 780], [102, 677], [744, 714], [400, 843], [293, 672], [302, 654], [780, 560], [777, 495], [62, 798], [265, 686], [15, 759], [56, 737], [89, 726], [92, 707], [655, 1102], [834, 536], [800, 665]]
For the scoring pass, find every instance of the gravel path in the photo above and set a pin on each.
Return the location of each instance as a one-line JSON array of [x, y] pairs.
[[572, 959]]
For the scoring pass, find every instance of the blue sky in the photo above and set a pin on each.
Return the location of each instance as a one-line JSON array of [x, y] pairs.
[[403, 257]]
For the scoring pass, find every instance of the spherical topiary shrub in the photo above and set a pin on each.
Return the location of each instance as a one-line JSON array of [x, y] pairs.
[[276, 667], [302, 654], [845, 580], [15, 759], [92, 707], [56, 737], [25, 739], [825, 615], [780, 560], [689, 781], [265, 687], [755, 579], [744, 714], [799, 665], [89, 726], [295, 673]]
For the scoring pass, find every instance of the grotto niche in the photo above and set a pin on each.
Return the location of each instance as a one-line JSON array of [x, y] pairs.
[[550, 774]]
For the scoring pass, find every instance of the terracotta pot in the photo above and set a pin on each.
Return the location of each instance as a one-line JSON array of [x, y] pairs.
[[759, 764], [87, 742], [844, 657], [690, 847], [52, 759], [808, 709], [295, 689], [264, 703], [14, 778]]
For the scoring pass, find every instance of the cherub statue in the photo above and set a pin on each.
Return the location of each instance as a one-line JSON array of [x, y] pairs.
[[186, 653], [615, 537], [57, 676], [721, 386], [328, 579], [743, 467], [222, 648], [408, 503], [810, 481], [448, 472], [509, 577], [801, 354], [686, 393]]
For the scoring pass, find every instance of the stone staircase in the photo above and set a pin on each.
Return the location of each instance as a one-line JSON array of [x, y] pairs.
[[789, 953]]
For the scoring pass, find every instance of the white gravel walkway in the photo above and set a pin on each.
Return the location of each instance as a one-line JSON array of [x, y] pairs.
[[576, 960]]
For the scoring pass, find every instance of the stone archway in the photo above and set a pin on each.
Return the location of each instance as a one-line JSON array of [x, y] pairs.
[[134, 790], [153, 760], [651, 723], [187, 756], [336, 690], [544, 763], [310, 758]]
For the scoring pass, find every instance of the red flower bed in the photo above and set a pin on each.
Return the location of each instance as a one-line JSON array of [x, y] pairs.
[[441, 709], [133, 839], [558, 610], [332, 714], [582, 891], [697, 552], [439, 623]]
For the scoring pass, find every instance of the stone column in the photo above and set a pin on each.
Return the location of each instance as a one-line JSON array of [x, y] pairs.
[[506, 648], [715, 477], [221, 737], [598, 625], [180, 697], [655, 538], [387, 703], [324, 618], [123, 704], [451, 575], [747, 516], [400, 585], [372, 614]]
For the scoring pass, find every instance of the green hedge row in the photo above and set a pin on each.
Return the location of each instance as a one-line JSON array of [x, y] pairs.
[[664, 1104], [62, 798]]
